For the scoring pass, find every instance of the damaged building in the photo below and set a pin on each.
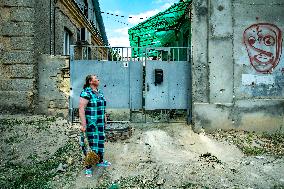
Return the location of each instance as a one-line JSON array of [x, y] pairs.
[[35, 39]]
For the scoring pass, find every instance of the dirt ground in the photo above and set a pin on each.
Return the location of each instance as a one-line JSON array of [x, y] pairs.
[[43, 152]]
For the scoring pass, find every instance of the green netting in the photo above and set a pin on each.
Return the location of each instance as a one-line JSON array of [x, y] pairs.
[[160, 30]]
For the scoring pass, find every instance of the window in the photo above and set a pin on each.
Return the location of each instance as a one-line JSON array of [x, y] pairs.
[[66, 45]]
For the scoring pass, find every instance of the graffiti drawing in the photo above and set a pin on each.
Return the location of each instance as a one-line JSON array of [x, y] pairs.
[[264, 46]]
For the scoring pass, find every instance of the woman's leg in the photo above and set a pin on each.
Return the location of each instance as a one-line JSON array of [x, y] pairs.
[[101, 142], [101, 155], [101, 146]]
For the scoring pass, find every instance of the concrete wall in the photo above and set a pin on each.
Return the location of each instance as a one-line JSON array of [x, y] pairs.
[[17, 56], [53, 85], [231, 90]]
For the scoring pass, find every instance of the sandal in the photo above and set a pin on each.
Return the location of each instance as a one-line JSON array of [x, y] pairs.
[[88, 173], [104, 164]]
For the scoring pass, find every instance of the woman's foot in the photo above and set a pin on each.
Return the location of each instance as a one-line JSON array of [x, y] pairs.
[[89, 172], [104, 164]]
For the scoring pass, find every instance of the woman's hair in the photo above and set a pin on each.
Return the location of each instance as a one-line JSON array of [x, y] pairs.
[[88, 80]]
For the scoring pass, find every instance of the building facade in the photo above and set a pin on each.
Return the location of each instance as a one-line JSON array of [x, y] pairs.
[[35, 34]]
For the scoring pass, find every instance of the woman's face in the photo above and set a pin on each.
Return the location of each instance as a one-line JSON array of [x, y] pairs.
[[95, 81]]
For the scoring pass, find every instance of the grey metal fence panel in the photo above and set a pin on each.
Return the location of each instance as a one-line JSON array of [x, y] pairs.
[[178, 84], [136, 84], [172, 93], [115, 82]]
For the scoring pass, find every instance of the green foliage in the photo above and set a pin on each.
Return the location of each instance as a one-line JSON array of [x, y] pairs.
[[252, 143], [252, 151]]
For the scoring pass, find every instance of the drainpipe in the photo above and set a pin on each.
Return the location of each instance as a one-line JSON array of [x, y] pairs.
[[50, 27], [54, 26]]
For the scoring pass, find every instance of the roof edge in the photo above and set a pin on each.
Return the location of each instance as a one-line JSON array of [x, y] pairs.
[[100, 21]]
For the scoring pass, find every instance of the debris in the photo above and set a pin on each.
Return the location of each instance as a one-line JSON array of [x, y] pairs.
[[60, 168], [259, 157], [210, 158], [74, 136], [70, 161], [160, 182], [64, 166]]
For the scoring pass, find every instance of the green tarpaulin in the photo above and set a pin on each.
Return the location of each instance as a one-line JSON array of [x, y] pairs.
[[161, 29]]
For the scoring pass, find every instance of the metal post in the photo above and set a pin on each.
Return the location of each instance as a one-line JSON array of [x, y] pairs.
[[187, 54], [102, 55], [112, 54], [130, 54], [72, 56], [87, 53], [107, 53], [122, 54], [130, 95], [173, 54], [190, 101], [178, 54], [97, 55], [127, 53]]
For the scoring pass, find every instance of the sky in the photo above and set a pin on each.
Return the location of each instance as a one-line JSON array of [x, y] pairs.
[[116, 26]]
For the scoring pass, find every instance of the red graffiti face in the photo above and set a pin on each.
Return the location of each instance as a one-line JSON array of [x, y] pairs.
[[264, 46]]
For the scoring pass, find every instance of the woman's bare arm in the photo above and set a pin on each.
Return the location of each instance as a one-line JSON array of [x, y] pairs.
[[82, 105]]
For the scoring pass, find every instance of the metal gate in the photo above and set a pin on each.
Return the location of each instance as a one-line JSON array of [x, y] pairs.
[[133, 78]]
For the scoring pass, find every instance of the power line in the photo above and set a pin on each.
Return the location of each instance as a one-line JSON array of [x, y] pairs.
[[108, 13], [118, 21], [113, 14]]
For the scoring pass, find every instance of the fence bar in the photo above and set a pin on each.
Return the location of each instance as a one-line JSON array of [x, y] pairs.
[[97, 54], [121, 53], [127, 53], [173, 54], [112, 51], [107, 54]]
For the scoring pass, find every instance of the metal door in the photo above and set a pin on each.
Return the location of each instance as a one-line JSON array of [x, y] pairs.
[[173, 91]]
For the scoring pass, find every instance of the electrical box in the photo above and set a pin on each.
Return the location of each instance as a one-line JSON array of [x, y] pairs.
[[158, 76]]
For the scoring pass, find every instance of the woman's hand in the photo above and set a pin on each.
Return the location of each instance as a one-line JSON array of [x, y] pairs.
[[83, 127], [106, 118]]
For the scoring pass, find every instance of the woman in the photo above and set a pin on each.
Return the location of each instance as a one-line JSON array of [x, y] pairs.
[[92, 114]]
